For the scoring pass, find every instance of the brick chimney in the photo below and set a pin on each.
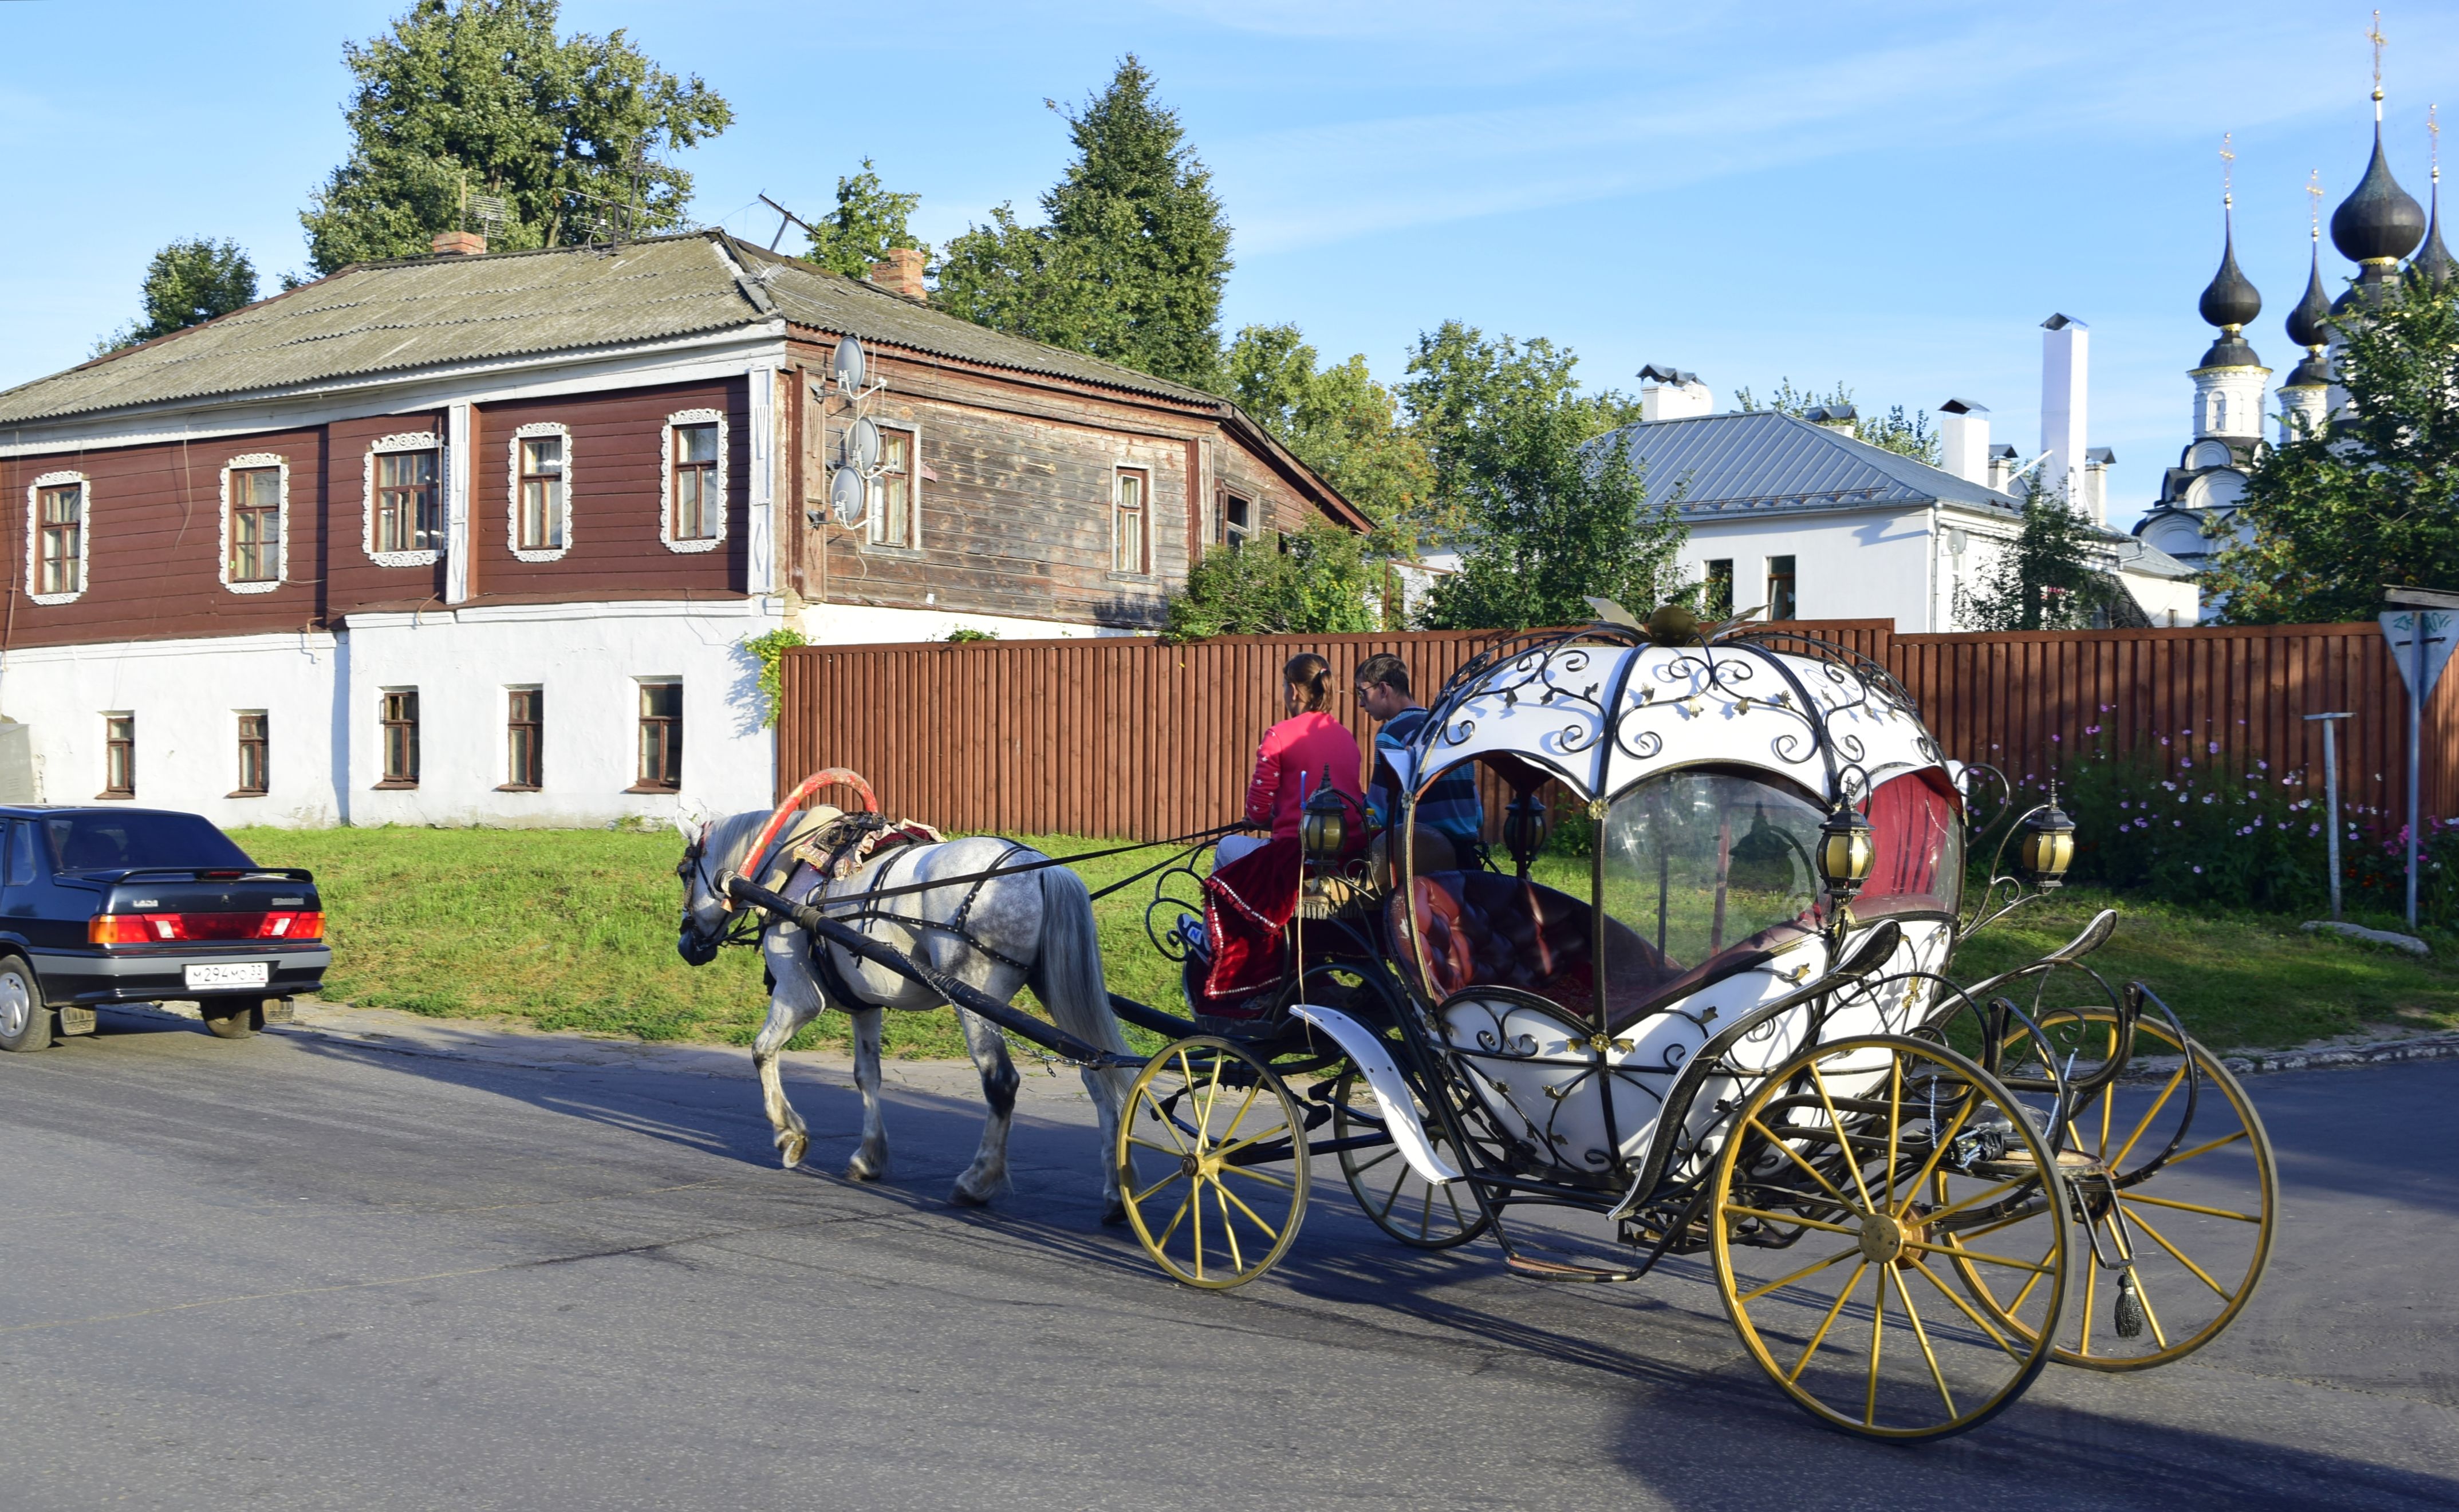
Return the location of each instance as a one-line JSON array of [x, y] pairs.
[[459, 243], [902, 273]]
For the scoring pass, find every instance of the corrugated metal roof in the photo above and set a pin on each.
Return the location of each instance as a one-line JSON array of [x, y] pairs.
[[1762, 462], [399, 316]]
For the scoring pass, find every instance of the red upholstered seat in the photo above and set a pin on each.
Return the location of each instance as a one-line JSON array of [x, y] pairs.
[[1482, 929]]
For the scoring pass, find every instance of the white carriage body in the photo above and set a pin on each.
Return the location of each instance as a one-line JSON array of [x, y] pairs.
[[1603, 720]]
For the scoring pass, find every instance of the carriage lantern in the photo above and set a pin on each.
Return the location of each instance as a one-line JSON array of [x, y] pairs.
[[1324, 828], [2048, 844], [1846, 851]]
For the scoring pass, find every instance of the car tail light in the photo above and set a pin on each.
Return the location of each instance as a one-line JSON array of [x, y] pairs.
[[155, 929]]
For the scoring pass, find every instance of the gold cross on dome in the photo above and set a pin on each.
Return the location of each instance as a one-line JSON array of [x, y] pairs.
[[2314, 201], [2228, 168], [2376, 37]]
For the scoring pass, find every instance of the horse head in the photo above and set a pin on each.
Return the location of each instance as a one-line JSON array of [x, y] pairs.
[[708, 847]]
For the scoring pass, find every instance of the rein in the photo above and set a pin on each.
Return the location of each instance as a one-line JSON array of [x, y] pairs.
[[1189, 840]]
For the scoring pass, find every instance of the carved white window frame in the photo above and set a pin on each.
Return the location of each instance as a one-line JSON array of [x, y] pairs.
[[875, 507], [512, 491], [666, 479], [252, 462], [410, 441], [34, 535]]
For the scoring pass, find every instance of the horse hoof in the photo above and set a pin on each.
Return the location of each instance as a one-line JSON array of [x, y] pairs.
[[1115, 1214], [863, 1171], [963, 1197], [791, 1149]]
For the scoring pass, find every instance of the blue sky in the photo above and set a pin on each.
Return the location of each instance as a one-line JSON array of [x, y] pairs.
[[1893, 199]]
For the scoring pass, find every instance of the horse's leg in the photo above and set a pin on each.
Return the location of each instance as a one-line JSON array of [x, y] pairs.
[[870, 1161], [987, 1176], [1109, 1090], [793, 1003]]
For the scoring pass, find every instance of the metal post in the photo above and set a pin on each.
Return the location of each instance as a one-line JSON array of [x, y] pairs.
[[2331, 785], [2415, 758]]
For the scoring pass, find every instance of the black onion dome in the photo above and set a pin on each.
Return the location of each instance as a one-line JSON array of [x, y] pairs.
[[2231, 350], [2381, 221], [2433, 264], [2314, 372], [2231, 298], [2306, 325]]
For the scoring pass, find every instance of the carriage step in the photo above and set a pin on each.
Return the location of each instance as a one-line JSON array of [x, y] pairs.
[[1555, 1271]]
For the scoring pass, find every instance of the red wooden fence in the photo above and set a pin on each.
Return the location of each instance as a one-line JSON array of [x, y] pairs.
[[1132, 737]]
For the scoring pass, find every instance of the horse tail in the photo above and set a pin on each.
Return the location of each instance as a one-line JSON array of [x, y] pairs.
[[1067, 970]]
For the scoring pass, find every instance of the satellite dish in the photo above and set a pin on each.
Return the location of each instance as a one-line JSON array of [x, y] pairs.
[[850, 364], [848, 497], [862, 446]]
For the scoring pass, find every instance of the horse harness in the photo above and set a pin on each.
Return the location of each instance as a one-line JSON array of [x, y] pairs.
[[836, 850]]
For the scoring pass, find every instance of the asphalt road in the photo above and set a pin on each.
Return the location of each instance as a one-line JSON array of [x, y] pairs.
[[313, 1270]]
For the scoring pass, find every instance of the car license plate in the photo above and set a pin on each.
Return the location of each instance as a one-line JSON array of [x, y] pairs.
[[231, 973]]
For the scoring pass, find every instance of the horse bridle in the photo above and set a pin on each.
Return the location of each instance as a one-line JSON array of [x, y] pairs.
[[742, 928]]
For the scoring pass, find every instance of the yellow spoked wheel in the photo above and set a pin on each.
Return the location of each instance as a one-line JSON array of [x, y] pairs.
[[1213, 1160], [1402, 1203], [2179, 1190], [1850, 1179]]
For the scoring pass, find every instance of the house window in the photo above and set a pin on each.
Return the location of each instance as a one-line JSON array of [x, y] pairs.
[[255, 531], [540, 498], [662, 737], [1717, 595], [255, 755], [410, 502], [118, 756], [695, 468], [400, 738], [1780, 603], [55, 544], [894, 520], [1236, 523], [525, 741], [1128, 518]]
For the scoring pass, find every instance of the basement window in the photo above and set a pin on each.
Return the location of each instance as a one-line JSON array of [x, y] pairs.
[[118, 756], [399, 721], [662, 737], [255, 755]]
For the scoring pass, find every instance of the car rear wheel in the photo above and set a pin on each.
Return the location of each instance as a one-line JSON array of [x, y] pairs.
[[233, 1020], [24, 1021]]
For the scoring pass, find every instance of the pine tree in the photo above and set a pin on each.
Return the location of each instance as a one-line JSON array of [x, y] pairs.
[[869, 221], [1132, 261], [481, 97]]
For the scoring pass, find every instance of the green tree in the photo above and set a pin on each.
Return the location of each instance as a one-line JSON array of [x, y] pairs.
[[481, 97], [2056, 574], [1131, 264], [1905, 435], [869, 219], [1339, 421], [2372, 501], [187, 284], [1558, 519], [1323, 580], [1467, 399]]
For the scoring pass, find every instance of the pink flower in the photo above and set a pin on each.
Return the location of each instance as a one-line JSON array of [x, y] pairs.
[[2198, 870], [2216, 746]]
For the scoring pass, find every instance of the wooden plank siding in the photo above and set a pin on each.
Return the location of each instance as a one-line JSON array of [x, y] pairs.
[[1139, 739]]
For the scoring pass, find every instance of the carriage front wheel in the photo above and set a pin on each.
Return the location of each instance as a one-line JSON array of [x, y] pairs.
[[1400, 1202], [2178, 1184], [1212, 1161], [1853, 1180]]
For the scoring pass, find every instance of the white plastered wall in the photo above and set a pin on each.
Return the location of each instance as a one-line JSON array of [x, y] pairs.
[[186, 695], [1847, 565], [590, 660]]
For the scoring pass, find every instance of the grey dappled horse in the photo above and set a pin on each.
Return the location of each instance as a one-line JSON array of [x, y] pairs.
[[1041, 919]]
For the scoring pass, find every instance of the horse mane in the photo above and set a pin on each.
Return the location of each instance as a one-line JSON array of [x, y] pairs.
[[728, 838]]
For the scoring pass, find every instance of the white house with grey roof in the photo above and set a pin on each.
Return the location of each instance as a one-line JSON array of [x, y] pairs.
[[1802, 519]]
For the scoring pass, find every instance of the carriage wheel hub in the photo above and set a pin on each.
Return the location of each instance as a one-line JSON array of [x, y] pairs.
[[1882, 1238]]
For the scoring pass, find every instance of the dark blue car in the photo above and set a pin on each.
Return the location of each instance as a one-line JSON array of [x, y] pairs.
[[112, 905]]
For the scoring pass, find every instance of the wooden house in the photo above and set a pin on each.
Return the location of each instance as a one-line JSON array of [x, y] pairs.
[[478, 538]]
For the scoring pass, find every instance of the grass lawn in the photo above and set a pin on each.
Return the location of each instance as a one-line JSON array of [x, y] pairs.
[[575, 929]]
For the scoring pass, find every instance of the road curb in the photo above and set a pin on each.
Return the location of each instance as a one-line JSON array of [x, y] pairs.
[[2429, 1047]]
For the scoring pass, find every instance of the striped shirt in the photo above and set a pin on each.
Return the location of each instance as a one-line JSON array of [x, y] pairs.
[[1450, 807]]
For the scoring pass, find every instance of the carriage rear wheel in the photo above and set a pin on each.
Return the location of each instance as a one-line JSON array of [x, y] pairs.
[[1212, 1161], [1402, 1203], [2166, 1271], [1849, 1179]]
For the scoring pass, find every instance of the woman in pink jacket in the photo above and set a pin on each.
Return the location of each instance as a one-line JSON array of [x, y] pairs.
[[1299, 755]]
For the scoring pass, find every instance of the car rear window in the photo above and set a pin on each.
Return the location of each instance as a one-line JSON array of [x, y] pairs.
[[108, 842]]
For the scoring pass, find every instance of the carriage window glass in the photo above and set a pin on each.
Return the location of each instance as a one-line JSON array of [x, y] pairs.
[[1702, 868], [1918, 836]]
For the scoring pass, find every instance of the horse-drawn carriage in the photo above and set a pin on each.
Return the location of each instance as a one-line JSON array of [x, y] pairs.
[[1697, 1004]]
